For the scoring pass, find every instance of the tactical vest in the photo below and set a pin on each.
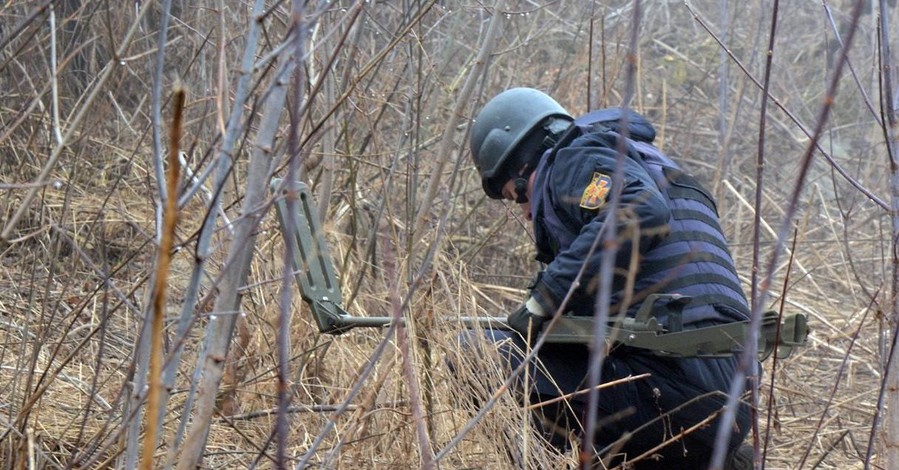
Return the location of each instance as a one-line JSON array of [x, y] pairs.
[[693, 259]]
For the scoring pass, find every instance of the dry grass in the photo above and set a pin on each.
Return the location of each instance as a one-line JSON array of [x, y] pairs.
[[75, 271]]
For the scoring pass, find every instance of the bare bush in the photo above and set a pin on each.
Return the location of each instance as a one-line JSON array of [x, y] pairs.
[[369, 103]]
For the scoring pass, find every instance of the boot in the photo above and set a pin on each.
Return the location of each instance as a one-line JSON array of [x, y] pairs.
[[740, 458]]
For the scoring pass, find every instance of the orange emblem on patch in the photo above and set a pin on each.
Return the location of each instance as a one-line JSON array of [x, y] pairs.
[[595, 193]]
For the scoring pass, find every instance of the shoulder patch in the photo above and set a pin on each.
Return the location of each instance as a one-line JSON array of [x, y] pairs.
[[595, 193]]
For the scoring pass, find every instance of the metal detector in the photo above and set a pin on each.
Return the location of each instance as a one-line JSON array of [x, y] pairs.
[[320, 290]]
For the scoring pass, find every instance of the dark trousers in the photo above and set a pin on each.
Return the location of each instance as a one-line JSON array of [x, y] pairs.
[[679, 400]]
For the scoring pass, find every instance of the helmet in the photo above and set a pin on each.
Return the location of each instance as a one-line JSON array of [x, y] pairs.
[[503, 124]]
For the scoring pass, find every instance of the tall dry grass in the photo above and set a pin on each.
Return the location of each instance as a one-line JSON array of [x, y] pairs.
[[369, 103]]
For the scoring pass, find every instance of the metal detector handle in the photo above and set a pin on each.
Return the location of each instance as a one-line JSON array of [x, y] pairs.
[[793, 333], [711, 341]]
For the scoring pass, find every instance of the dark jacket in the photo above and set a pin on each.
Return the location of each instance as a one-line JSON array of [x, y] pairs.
[[667, 231]]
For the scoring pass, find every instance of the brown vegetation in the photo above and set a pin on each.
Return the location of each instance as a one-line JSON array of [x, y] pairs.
[[372, 109]]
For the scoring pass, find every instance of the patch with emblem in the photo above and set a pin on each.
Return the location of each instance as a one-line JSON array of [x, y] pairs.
[[595, 193]]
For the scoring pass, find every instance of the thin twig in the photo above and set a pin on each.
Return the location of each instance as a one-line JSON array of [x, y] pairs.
[[54, 79], [748, 364], [156, 102], [162, 278], [568, 396]]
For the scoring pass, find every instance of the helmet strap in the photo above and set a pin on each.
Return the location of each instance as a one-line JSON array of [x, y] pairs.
[[521, 190]]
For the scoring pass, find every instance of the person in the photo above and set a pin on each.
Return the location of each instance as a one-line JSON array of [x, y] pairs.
[[562, 172]]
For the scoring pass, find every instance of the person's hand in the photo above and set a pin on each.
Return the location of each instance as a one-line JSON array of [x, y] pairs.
[[528, 320]]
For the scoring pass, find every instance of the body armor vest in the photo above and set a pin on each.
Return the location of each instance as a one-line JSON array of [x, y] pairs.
[[692, 260]]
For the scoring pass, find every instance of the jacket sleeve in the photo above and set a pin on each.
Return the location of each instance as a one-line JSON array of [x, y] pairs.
[[581, 190]]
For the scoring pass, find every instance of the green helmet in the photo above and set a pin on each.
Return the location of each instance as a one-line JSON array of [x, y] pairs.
[[505, 122]]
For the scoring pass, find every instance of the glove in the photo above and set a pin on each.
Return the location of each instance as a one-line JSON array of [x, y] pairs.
[[528, 320]]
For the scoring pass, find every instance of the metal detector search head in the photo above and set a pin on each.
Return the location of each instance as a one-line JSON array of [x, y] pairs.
[[311, 259]]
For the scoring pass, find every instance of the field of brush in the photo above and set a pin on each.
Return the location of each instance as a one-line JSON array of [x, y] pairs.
[[157, 325]]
